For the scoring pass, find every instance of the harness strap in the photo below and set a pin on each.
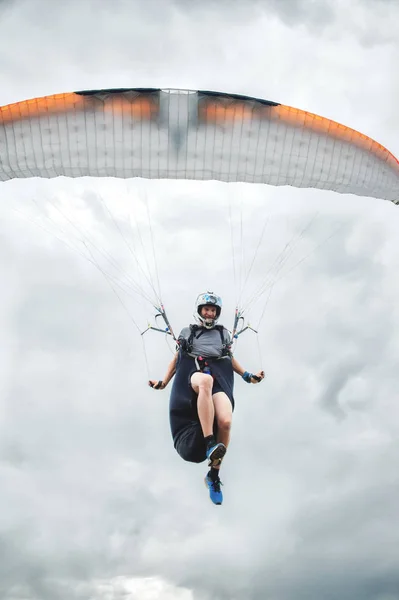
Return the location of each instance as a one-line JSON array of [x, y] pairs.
[[188, 346], [202, 365]]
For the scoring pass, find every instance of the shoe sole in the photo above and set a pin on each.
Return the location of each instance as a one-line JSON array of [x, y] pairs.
[[217, 456]]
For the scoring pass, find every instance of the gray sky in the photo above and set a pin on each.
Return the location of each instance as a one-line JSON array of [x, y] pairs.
[[95, 502]]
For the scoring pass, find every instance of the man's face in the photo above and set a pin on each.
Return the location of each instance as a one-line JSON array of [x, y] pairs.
[[208, 312]]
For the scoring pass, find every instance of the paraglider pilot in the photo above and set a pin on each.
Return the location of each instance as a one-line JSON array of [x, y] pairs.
[[201, 400]]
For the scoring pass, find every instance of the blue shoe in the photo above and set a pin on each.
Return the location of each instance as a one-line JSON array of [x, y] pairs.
[[215, 454], [215, 492]]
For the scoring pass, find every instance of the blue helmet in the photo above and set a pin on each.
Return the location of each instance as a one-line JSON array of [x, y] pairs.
[[208, 299]]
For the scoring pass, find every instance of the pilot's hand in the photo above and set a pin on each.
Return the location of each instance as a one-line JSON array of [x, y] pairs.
[[257, 378], [157, 385]]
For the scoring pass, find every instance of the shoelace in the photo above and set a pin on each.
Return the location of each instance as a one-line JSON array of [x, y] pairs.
[[216, 485]]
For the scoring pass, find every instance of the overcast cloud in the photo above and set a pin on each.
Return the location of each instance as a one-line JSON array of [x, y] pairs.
[[95, 503]]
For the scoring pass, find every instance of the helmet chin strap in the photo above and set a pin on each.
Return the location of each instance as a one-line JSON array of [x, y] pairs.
[[207, 323]]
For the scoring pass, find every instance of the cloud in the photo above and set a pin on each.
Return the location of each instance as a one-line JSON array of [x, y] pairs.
[[89, 443]]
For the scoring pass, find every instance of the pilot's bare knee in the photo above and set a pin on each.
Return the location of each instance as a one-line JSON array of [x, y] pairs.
[[224, 423], [205, 381]]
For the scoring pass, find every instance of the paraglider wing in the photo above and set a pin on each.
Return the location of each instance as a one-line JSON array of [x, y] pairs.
[[181, 134]]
